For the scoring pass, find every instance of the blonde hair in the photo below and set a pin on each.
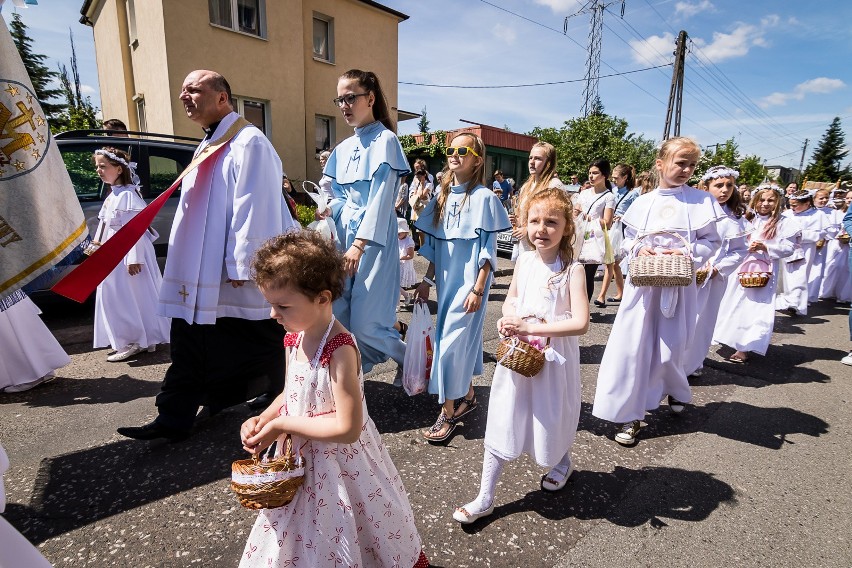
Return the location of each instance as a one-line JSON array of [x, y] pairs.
[[771, 226], [477, 178], [646, 182], [673, 145], [535, 184]]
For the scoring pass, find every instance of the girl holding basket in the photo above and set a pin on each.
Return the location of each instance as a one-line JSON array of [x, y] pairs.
[[644, 356], [546, 302], [352, 505]]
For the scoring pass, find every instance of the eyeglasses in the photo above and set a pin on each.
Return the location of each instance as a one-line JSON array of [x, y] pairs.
[[461, 151], [349, 99]]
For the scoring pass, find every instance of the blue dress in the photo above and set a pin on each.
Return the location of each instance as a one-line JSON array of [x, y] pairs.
[[365, 171], [460, 245]]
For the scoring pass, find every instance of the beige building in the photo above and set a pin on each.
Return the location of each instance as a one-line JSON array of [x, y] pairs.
[[281, 57]]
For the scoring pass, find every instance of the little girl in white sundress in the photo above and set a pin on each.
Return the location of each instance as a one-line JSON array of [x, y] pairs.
[[352, 508], [407, 274], [539, 415]]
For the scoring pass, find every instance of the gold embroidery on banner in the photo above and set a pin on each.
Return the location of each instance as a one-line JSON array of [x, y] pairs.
[[8, 235]]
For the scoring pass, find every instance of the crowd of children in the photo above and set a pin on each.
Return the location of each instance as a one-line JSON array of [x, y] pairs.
[[335, 299]]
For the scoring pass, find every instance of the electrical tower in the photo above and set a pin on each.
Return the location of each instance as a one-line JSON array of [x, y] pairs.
[[676, 92], [593, 63]]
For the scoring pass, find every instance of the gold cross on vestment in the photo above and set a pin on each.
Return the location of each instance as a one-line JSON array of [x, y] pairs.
[[183, 293]]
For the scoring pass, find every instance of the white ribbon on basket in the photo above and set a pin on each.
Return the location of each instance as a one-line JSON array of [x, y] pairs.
[[550, 354]]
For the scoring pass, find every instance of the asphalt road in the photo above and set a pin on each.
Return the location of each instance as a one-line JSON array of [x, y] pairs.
[[755, 474]]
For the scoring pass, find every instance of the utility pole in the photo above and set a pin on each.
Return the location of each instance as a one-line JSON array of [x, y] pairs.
[[802, 161], [676, 91]]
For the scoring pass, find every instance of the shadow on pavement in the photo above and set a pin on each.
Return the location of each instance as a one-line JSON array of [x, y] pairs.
[[80, 488], [394, 411], [653, 493], [63, 392], [765, 427], [782, 364]]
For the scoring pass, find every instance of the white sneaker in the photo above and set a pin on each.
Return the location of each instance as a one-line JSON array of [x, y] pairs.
[[125, 353], [27, 386], [847, 360]]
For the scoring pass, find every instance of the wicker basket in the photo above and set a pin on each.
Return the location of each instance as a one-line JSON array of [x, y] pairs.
[[843, 239], [754, 273], [519, 356], [662, 270], [269, 482], [820, 243], [701, 275]]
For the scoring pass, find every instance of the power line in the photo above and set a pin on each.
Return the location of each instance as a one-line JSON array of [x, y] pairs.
[[576, 43], [531, 84]]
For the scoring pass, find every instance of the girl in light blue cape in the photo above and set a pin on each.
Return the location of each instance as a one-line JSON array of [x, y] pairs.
[[460, 223]]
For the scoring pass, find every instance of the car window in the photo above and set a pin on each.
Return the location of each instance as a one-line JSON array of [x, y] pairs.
[[165, 165], [81, 169]]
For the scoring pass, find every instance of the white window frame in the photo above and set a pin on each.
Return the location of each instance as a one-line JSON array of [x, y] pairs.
[[331, 131], [329, 22], [131, 23], [235, 24], [239, 103]]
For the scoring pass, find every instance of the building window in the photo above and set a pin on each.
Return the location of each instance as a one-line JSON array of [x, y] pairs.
[[324, 134], [246, 16], [139, 99], [323, 38], [131, 23], [254, 111]]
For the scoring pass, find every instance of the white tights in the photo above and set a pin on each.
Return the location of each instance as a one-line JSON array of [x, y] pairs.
[[492, 467]]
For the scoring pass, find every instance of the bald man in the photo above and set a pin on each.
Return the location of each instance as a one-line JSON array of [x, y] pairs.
[[225, 349]]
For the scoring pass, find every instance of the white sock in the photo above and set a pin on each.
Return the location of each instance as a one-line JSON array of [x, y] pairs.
[[492, 467], [560, 470]]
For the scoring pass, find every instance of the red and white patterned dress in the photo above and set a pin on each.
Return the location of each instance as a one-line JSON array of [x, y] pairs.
[[352, 509]]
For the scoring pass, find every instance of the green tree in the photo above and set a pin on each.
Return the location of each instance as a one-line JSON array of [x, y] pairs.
[[40, 76], [80, 113], [829, 153], [724, 154], [751, 170], [582, 140], [423, 123]]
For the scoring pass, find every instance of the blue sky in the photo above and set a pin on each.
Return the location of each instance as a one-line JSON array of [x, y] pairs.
[[768, 73]]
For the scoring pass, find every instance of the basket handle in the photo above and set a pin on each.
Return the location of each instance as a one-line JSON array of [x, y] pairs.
[[288, 449], [542, 320], [641, 238]]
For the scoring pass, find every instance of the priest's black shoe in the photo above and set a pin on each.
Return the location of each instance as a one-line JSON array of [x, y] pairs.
[[262, 402], [153, 431]]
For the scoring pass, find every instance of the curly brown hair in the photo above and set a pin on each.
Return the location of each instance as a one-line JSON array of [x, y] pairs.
[[303, 259]]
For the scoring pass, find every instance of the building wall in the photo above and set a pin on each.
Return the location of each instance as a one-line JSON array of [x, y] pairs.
[[364, 38], [112, 55], [267, 69], [176, 37], [149, 67]]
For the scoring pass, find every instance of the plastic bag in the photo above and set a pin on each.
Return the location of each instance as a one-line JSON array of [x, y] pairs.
[[609, 255], [616, 239], [417, 365], [594, 243], [324, 227]]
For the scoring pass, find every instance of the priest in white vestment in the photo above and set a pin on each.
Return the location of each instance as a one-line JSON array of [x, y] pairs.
[[225, 348]]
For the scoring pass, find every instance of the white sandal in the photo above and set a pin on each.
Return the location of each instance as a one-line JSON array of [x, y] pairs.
[[554, 480]]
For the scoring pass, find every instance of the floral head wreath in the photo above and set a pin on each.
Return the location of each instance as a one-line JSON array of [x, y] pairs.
[[116, 158], [803, 195], [720, 172]]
